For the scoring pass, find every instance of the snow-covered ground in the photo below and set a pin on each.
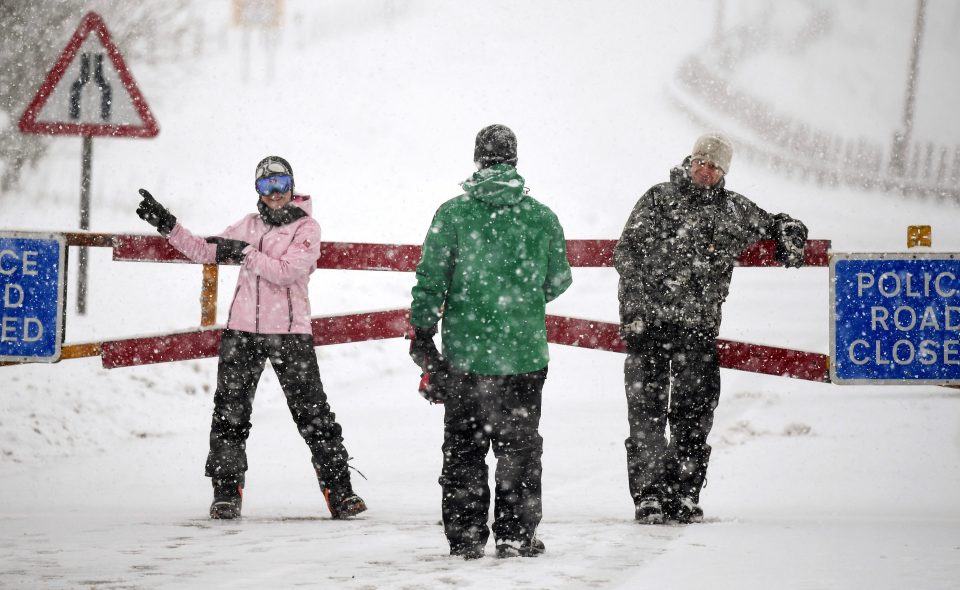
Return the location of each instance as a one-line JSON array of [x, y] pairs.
[[376, 105]]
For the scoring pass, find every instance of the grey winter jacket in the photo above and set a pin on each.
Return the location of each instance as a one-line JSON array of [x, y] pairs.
[[676, 254]]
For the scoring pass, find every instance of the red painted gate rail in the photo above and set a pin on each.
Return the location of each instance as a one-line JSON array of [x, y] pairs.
[[204, 342], [393, 324], [404, 258]]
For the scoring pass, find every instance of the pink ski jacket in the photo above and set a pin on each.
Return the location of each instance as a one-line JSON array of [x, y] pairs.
[[272, 295]]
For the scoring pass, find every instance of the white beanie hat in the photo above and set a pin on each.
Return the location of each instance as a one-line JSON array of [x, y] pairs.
[[715, 148]]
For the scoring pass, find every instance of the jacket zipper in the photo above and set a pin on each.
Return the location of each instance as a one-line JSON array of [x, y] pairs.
[[260, 248], [290, 309], [233, 303], [256, 324]]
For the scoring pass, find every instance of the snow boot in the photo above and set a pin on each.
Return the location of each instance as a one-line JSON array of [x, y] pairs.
[[468, 552], [227, 498], [649, 510], [688, 511], [531, 548], [343, 503]]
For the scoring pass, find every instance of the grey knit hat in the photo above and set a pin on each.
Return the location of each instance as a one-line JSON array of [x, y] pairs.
[[273, 166], [715, 148], [496, 144]]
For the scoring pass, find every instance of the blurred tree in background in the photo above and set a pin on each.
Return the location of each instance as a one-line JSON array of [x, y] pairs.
[[34, 32]]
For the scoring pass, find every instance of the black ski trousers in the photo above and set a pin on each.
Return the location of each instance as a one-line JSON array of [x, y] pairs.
[[502, 410], [242, 359], [672, 379]]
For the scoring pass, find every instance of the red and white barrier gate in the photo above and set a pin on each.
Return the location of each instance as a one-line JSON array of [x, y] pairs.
[[204, 342]]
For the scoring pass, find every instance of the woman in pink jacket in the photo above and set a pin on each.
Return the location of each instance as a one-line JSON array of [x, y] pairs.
[[269, 318]]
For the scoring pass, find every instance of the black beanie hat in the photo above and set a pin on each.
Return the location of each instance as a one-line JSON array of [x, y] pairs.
[[496, 144], [274, 166]]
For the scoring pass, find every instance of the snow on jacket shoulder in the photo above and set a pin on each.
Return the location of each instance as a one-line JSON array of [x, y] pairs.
[[677, 251], [272, 294]]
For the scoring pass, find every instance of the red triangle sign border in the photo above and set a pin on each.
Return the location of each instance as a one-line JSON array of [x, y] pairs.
[[90, 23]]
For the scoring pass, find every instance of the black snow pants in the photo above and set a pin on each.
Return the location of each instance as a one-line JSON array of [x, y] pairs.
[[242, 359], [503, 410], [672, 378]]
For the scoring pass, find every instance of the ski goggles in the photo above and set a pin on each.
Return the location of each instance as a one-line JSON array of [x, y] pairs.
[[274, 184]]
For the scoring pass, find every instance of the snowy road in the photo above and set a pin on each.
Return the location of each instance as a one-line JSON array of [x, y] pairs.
[[804, 492]]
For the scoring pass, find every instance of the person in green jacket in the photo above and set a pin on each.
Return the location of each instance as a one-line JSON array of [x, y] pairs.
[[492, 259]]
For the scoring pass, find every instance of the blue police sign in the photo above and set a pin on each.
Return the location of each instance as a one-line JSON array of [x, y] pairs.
[[895, 318], [32, 285]]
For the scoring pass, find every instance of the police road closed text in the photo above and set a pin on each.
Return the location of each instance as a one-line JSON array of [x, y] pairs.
[[31, 288], [896, 319], [18, 327]]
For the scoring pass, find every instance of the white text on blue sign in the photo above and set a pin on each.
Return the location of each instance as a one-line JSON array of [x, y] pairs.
[[31, 296], [897, 320]]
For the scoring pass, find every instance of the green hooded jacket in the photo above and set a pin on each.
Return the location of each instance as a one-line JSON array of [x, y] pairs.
[[492, 259]]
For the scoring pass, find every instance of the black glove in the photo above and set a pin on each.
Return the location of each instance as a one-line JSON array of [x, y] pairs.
[[790, 235], [155, 214], [436, 369], [228, 251], [632, 334], [424, 352], [434, 386]]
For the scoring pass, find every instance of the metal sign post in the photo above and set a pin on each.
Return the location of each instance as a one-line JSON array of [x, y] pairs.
[[89, 92], [901, 138], [265, 16], [86, 159]]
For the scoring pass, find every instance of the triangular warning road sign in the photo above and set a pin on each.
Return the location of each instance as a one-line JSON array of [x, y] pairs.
[[92, 95]]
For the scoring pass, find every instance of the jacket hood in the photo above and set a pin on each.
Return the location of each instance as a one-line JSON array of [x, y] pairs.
[[499, 185], [304, 202]]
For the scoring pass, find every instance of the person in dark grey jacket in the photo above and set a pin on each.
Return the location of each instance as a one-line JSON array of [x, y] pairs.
[[675, 259]]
